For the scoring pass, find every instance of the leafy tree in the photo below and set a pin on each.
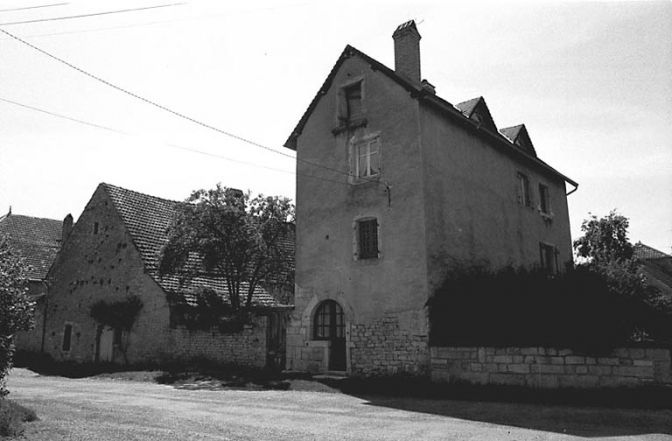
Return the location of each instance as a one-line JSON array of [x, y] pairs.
[[16, 308], [225, 233], [605, 239]]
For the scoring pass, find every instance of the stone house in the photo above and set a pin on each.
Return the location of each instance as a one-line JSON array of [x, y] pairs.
[[394, 185], [111, 254], [36, 240]]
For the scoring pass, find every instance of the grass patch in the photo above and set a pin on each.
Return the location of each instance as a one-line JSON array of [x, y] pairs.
[[12, 417]]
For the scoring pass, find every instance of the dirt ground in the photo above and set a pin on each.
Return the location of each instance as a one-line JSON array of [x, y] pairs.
[[101, 408]]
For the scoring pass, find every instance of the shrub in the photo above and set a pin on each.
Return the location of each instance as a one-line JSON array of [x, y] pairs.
[[208, 310], [581, 309], [12, 417]]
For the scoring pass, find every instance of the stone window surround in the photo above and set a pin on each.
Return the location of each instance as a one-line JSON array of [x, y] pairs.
[[355, 238], [353, 157]]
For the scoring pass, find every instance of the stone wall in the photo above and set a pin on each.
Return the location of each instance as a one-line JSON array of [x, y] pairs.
[[386, 347], [551, 368], [247, 347]]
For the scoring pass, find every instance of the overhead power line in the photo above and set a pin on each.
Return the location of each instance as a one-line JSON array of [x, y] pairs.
[[32, 7], [183, 116], [94, 14], [189, 149]]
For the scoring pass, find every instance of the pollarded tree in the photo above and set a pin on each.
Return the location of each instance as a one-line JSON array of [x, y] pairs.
[[16, 308], [225, 233]]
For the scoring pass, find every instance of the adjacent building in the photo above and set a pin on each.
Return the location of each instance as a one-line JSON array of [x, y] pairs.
[[394, 186], [36, 240], [112, 255]]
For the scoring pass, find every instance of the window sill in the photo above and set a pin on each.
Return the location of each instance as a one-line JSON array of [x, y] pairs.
[[345, 126]]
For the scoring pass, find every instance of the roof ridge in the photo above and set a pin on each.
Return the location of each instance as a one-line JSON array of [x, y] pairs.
[[116, 187]]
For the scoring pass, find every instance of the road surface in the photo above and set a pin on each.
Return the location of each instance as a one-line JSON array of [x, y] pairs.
[[106, 409]]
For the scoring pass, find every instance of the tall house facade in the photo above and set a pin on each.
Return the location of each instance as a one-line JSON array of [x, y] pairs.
[[394, 186]]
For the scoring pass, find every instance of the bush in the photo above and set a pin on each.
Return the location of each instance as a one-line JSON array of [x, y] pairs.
[[12, 417], [580, 309]]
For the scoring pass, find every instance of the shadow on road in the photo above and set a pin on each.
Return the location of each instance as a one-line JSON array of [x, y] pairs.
[[579, 413]]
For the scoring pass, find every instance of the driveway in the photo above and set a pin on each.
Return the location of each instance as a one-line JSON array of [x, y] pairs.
[[106, 409]]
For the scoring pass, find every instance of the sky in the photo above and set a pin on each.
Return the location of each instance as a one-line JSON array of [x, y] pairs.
[[591, 81]]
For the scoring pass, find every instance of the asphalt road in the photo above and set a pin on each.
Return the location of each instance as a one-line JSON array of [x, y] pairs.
[[105, 409]]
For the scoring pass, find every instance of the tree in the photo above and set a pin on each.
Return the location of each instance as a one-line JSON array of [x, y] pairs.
[[225, 233], [605, 240], [16, 308]]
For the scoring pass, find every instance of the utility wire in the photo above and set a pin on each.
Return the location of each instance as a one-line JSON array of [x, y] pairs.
[[32, 7], [39, 20], [189, 149], [181, 115]]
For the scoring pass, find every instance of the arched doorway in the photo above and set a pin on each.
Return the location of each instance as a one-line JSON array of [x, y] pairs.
[[329, 324]]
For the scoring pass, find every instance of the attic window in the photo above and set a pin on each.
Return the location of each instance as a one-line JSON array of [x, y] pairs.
[[352, 102], [95, 228]]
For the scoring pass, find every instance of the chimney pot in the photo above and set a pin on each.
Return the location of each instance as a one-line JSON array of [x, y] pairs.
[[407, 51]]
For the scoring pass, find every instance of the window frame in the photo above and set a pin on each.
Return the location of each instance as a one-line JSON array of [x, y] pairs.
[[328, 321], [370, 173], [548, 254], [345, 113], [359, 241], [524, 194], [544, 199]]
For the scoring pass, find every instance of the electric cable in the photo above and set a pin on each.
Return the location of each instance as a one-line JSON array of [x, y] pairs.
[[189, 149], [181, 115], [39, 20]]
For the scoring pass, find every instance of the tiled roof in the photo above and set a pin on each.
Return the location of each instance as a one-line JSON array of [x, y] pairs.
[[147, 219], [37, 240], [642, 251], [417, 91], [511, 132], [467, 107]]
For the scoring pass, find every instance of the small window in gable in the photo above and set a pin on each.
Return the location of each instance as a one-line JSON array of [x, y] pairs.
[[95, 228], [524, 190], [367, 239], [367, 158], [351, 102]]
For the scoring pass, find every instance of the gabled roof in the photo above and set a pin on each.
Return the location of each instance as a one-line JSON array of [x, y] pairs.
[[519, 136], [642, 251], [426, 96], [147, 219], [477, 111], [37, 240]]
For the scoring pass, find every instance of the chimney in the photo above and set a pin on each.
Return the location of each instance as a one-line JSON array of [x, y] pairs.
[[67, 228], [407, 51]]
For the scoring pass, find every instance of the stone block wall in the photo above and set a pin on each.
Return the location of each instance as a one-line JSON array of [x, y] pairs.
[[386, 347], [550, 368], [247, 347]]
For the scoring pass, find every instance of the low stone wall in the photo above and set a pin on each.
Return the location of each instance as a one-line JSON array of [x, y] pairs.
[[247, 347], [550, 368]]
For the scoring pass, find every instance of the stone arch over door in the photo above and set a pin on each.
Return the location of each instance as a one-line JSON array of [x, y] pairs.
[[328, 325]]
